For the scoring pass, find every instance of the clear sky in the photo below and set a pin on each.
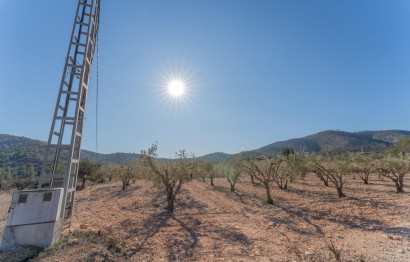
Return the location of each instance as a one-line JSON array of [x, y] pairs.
[[256, 71]]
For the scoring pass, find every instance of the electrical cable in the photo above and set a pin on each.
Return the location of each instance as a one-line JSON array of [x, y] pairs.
[[96, 103]]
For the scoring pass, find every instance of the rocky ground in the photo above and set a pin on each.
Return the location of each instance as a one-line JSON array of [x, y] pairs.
[[210, 223]]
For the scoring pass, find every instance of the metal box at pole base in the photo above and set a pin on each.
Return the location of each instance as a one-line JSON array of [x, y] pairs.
[[33, 219]]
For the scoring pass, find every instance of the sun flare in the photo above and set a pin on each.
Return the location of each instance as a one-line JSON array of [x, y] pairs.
[[176, 88]]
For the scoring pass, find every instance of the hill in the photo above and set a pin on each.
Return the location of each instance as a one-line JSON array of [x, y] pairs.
[[216, 157], [18, 152], [337, 141]]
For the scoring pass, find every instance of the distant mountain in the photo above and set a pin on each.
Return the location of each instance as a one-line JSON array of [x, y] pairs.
[[337, 141], [18, 152], [216, 157], [114, 158]]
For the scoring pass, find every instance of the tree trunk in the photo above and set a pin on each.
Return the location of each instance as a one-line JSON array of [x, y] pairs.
[[170, 200], [399, 184], [269, 199], [203, 179], [253, 182], [366, 180], [170, 205], [232, 187], [83, 183], [340, 192], [212, 181], [286, 184], [324, 179]]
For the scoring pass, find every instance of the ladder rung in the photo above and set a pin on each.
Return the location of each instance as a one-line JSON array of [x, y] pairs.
[[79, 44], [69, 92], [53, 176], [67, 118], [81, 23], [56, 133], [75, 66], [60, 146], [61, 107], [85, 4]]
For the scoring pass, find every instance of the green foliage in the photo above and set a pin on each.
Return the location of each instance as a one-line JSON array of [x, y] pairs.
[[127, 172], [87, 170], [171, 174], [287, 151], [403, 146], [331, 168], [395, 168], [231, 170]]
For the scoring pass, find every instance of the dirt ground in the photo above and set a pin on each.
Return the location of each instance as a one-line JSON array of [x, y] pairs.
[[212, 224]]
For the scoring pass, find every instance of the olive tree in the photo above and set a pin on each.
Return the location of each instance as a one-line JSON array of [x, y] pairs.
[[231, 170], [171, 174], [402, 147], [5, 178], [265, 170], [24, 177], [363, 165], [86, 170], [207, 168], [293, 167], [127, 172], [395, 168], [331, 168]]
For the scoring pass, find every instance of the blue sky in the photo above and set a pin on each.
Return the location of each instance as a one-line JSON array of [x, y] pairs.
[[256, 71]]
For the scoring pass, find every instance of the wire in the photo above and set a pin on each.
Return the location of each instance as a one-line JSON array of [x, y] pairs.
[[96, 103]]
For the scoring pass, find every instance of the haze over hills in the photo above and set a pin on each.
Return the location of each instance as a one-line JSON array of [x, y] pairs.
[[17, 152]]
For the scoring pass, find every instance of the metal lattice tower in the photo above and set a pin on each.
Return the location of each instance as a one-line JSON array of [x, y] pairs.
[[62, 156]]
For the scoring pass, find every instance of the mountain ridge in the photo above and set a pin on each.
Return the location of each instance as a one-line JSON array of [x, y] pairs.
[[18, 151]]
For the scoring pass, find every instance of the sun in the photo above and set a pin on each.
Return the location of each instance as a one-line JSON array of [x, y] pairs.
[[176, 88]]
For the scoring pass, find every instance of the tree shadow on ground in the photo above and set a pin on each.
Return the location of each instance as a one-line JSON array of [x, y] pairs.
[[352, 222], [177, 246], [115, 191], [329, 197], [185, 201], [239, 195], [230, 234], [403, 232], [379, 204], [149, 228], [293, 212], [184, 248]]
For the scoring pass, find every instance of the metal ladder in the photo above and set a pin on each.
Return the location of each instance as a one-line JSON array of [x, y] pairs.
[[62, 156]]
